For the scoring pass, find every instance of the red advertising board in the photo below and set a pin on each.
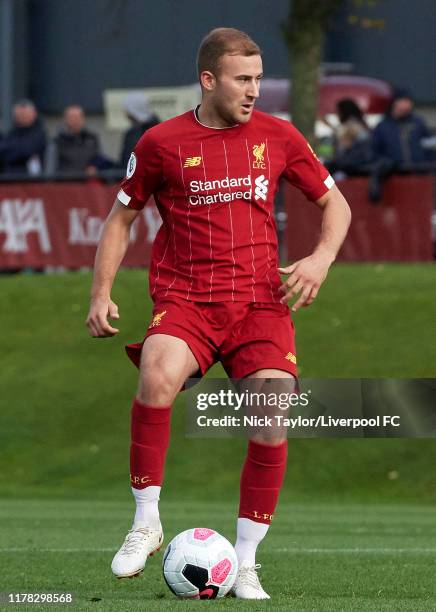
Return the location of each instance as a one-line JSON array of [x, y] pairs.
[[59, 224], [398, 228]]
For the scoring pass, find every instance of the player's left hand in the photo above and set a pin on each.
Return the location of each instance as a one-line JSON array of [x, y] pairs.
[[305, 278]]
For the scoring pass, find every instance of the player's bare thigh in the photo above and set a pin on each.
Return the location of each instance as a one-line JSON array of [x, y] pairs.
[[166, 362], [287, 384]]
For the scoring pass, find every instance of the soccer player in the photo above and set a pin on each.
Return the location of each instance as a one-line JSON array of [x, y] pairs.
[[214, 280]]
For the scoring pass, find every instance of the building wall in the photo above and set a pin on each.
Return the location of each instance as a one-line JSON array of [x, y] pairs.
[[394, 40], [102, 44], [70, 51]]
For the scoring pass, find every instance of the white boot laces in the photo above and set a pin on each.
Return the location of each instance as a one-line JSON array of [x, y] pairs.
[[134, 540], [248, 576]]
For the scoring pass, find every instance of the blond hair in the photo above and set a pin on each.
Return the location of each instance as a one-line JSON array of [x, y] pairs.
[[223, 41]]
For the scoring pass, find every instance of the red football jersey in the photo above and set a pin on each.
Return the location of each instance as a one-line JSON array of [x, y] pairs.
[[215, 188]]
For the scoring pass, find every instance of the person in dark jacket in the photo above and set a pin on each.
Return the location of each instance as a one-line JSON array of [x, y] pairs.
[[77, 149], [22, 149], [398, 143], [136, 107], [399, 135]]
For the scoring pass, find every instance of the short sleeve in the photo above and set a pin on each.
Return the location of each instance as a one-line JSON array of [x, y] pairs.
[[303, 168], [143, 174]]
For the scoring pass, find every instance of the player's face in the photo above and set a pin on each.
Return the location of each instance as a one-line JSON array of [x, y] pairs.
[[237, 87]]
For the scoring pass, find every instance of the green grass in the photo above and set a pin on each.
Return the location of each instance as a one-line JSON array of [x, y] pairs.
[[316, 557], [371, 321], [65, 398], [348, 535]]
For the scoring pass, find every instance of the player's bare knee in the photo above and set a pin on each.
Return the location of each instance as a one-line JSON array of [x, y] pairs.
[[157, 385]]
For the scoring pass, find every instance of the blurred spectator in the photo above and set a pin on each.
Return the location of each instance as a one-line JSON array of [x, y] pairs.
[[399, 135], [77, 149], [349, 113], [352, 148], [137, 109], [22, 149], [398, 143]]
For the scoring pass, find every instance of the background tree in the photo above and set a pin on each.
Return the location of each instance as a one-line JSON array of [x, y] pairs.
[[304, 33]]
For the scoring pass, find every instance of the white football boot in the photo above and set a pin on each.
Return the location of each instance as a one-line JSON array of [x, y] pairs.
[[140, 543], [247, 585]]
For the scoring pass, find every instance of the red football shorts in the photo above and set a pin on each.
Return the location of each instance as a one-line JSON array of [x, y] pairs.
[[244, 336]]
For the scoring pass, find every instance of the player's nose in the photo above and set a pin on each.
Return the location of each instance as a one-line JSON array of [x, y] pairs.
[[253, 89]]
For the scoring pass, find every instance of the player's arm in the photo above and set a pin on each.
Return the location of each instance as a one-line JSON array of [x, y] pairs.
[[308, 274], [110, 252], [143, 178]]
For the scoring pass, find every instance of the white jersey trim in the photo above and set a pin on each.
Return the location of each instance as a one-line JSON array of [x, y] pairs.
[[329, 182], [210, 227], [231, 228], [251, 230], [211, 127], [175, 251], [123, 197], [189, 223], [164, 255], [267, 222]]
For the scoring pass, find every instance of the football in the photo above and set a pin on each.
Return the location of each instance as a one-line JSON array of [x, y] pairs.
[[200, 564]]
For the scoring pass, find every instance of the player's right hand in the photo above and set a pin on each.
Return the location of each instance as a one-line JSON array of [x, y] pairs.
[[97, 320]]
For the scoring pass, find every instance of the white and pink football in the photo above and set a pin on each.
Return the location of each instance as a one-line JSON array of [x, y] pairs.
[[200, 564]]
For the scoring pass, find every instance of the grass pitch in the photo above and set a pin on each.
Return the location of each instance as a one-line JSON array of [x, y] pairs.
[[348, 534], [65, 397], [319, 557]]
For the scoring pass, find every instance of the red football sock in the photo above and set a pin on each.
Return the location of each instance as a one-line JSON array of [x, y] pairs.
[[261, 480], [150, 435]]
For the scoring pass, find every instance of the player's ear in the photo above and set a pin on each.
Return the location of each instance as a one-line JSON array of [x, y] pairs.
[[207, 80]]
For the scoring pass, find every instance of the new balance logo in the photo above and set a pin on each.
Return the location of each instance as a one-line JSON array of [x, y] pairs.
[[192, 161], [261, 189]]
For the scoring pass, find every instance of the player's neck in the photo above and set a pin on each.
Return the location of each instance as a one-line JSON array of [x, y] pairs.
[[209, 117]]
